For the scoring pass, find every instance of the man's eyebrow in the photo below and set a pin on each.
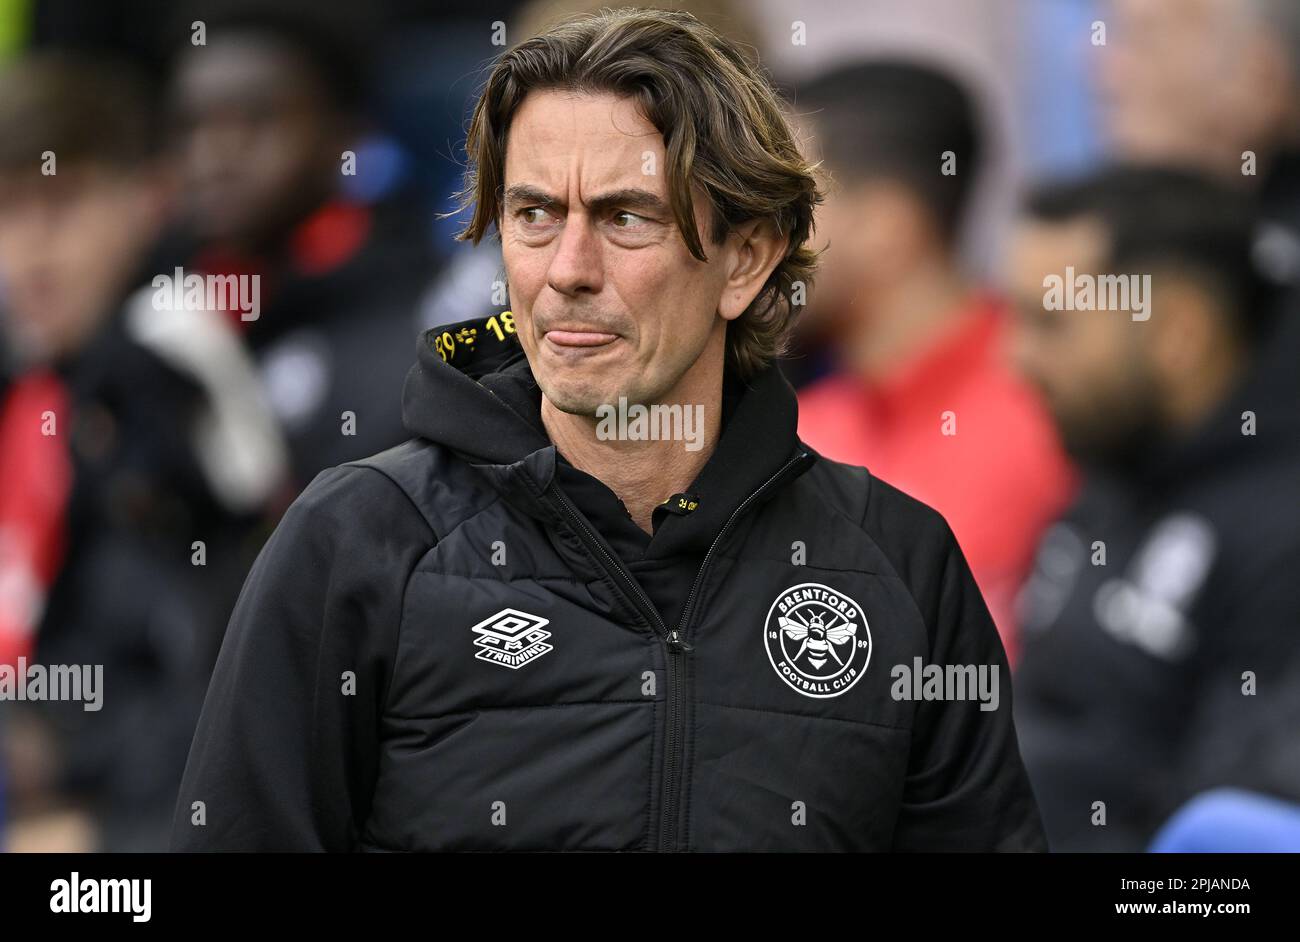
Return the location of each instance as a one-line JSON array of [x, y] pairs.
[[632, 198]]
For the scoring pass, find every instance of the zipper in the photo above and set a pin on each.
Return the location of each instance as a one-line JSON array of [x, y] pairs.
[[675, 642], [678, 647], [744, 504]]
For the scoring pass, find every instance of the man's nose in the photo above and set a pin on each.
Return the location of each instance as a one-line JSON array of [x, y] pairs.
[[578, 263]]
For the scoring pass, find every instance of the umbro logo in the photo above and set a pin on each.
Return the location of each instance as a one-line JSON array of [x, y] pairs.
[[511, 638]]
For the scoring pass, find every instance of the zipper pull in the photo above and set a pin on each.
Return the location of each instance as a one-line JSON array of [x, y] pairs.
[[676, 643]]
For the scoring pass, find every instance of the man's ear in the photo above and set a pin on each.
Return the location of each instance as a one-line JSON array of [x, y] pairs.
[[754, 249]]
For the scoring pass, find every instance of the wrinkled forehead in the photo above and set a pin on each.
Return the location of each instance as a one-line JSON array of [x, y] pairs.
[[574, 145]]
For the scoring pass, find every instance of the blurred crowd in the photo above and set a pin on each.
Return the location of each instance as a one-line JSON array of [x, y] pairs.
[[1120, 467]]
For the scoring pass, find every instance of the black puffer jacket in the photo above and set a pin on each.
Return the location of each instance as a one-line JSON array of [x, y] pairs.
[[437, 650]]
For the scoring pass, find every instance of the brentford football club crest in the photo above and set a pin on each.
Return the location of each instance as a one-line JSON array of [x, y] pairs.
[[511, 638], [817, 640]]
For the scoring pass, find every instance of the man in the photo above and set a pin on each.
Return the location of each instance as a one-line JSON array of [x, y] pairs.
[[127, 433], [269, 118], [531, 627], [922, 394], [1162, 614]]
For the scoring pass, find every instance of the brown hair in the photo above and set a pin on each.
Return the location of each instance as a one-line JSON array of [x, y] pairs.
[[723, 126]]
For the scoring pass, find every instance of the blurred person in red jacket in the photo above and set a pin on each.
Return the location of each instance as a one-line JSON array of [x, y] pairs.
[[923, 395]]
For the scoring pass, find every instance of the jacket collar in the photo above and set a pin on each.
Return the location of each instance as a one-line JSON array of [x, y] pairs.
[[757, 442], [473, 391]]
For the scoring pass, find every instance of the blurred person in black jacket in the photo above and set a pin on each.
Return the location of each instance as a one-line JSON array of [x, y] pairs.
[[1163, 615], [128, 435], [269, 114]]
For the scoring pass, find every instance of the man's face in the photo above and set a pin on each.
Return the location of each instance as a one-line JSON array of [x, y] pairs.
[[69, 242], [874, 230], [607, 299], [260, 144], [1092, 367]]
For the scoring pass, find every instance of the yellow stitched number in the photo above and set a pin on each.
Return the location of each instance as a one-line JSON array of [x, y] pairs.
[[505, 325], [440, 344]]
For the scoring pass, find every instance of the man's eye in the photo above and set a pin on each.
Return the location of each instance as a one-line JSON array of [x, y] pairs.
[[528, 218], [633, 217]]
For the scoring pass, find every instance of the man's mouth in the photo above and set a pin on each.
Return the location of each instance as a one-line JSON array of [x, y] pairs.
[[580, 338]]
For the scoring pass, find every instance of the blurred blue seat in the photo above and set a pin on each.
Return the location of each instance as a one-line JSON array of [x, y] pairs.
[[1228, 820]]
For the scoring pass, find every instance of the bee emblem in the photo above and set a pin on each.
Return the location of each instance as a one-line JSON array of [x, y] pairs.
[[817, 640]]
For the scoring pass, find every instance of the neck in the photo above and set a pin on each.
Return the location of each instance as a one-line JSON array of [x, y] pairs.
[[645, 473], [904, 317]]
